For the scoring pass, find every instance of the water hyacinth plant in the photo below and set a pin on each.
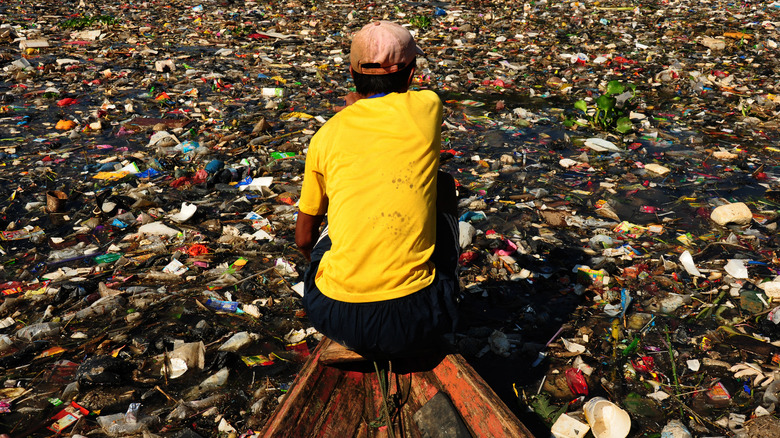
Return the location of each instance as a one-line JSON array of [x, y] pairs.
[[612, 108]]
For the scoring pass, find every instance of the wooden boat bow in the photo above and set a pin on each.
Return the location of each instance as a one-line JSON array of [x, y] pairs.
[[337, 394]]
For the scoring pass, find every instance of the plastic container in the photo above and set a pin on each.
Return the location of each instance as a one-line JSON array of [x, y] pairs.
[[222, 306], [569, 427], [606, 419], [273, 92]]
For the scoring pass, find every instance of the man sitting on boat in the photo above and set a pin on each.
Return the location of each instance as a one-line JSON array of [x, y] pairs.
[[382, 279]]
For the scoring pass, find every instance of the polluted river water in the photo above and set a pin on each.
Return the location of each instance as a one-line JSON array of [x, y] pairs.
[[617, 185]]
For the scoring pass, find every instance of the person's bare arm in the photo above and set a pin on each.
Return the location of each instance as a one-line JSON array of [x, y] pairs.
[[349, 99], [307, 230]]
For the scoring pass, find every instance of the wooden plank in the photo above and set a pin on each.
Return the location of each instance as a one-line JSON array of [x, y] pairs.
[[424, 386], [403, 388], [410, 405], [314, 406], [408, 426], [325, 401], [290, 408], [342, 416], [337, 353], [480, 407]]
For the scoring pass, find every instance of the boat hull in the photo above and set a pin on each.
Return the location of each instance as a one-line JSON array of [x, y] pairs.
[[345, 400]]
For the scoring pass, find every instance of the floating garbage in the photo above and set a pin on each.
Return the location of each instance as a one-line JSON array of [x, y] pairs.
[[606, 420], [185, 213], [737, 213], [618, 205]]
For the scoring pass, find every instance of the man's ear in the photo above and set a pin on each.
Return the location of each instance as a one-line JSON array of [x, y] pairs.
[[411, 77], [351, 72]]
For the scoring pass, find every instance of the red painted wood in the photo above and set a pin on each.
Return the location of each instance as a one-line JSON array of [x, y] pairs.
[[342, 416], [480, 407], [326, 402], [314, 404]]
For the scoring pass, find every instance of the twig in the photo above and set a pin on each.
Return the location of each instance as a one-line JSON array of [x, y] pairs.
[[166, 367], [171, 399], [671, 359], [697, 416]]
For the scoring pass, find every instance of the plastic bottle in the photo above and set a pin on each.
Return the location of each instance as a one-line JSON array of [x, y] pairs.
[[214, 381], [67, 253], [38, 331], [116, 425], [131, 416], [99, 307], [155, 245], [238, 341]]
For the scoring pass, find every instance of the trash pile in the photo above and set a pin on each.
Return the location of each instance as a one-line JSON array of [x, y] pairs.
[[617, 186]]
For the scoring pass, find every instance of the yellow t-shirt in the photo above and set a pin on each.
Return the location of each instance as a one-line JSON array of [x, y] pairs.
[[372, 168]]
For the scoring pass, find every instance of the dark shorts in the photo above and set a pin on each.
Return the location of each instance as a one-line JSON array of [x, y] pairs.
[[398, 327]]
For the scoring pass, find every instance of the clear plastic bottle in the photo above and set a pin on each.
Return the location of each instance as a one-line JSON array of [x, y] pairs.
[[67, 253], [155, 245], [38, 331], [238, 341]]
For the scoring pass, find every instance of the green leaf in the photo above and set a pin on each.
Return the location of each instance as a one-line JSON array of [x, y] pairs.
[[547, 411], [568, 123], [605, 102], [615, 87], [541, 405], [558, 413], [624, 125], [420, 21], [581, 105]]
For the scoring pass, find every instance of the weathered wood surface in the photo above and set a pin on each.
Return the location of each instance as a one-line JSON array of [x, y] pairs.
[[333, 401], [337, 353]]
